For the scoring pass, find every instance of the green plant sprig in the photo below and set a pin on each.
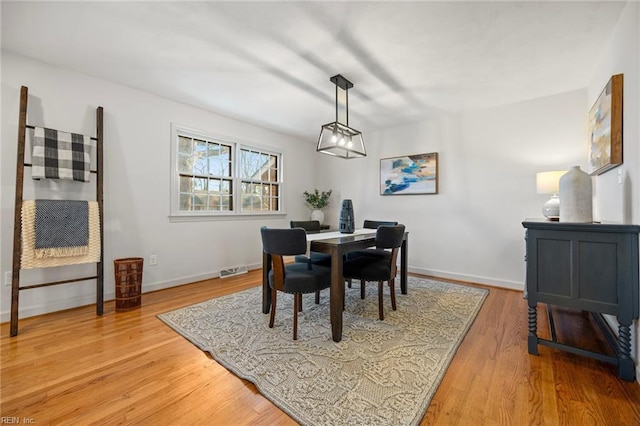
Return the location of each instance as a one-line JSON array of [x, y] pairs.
[[317, 199]]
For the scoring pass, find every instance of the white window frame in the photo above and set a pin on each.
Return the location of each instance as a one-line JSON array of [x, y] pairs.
[[236, 145]]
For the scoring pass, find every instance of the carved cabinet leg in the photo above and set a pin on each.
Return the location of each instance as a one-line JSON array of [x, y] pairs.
[[626, 368], [532, 339]]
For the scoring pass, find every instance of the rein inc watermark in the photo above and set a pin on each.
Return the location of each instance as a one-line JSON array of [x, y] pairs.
[[7, 420]]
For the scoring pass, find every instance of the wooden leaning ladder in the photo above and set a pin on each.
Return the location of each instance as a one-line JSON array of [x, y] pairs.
[[17, 224]]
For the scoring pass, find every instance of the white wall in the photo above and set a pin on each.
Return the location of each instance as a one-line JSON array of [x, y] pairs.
[[615, 202], [137, 173], [488, 160]]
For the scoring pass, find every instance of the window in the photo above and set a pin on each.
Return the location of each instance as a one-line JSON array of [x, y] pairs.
[[217, 176], [259, 177]]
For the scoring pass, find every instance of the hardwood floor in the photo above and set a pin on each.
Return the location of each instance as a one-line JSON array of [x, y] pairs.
[[72, 367]]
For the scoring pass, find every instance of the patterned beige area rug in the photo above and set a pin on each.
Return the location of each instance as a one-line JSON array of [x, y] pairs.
[[381, 373]]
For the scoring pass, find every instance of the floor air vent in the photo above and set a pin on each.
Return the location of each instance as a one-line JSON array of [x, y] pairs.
[[229, 272]]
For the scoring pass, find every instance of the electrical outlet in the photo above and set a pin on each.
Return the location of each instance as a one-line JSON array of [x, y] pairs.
[[153, 260], [7, 278]]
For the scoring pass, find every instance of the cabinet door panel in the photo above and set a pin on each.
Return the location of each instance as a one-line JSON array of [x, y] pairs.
[[554, 267], [597, 272]]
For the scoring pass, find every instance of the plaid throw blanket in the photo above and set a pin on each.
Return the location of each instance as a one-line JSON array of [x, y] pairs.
[[60, 155], [62, 228]]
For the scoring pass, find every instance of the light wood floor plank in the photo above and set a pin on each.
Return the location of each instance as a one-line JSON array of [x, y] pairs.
[[72, 367]]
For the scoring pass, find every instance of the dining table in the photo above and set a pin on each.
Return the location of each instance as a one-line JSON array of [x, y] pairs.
[[336, 244]]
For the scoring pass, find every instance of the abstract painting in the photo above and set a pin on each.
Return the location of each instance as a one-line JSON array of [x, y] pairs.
[[409, 174], [605, 128]]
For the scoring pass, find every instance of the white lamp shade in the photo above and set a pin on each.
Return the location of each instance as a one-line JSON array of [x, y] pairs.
[[549, 182]]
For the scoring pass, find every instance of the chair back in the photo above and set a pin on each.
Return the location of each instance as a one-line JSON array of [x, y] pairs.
[[307, 225], [390, 237], [284, 242], [373, 224], [279, 243]]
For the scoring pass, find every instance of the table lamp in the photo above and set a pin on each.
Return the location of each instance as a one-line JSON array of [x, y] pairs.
[[548, 183]]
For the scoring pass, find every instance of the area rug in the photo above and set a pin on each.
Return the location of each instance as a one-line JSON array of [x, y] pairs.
[[381, 373]]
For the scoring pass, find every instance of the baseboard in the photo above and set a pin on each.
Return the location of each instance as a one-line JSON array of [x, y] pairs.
[[61, 305], [511, 285], [75, 302]]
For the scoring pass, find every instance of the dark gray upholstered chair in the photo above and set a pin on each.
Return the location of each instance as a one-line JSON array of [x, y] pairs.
[[376, 268], [294, 278], [321, 259], [370, 224], [307, 225]]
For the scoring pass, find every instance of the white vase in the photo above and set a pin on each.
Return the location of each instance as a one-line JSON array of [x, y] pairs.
[[576, 196], [318, 215]]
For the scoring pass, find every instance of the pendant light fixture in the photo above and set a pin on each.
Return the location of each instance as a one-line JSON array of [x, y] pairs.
[[337, 138]]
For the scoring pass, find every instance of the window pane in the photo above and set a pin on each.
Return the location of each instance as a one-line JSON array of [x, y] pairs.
[[225, 187], [214, 185], [275, 204], [184, 145], [185, 163], [186, 184], [185, 202], [214, 202], [200, 165], [199, 203], [199, 184], [219, 159], [225, 203]]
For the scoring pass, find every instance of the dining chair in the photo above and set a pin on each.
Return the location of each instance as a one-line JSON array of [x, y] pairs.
[[307, 225], [316, 258], [375, 268], [293, 278], [369, 224]]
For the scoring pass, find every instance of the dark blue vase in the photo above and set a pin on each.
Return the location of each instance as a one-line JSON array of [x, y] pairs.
[[347, 221]]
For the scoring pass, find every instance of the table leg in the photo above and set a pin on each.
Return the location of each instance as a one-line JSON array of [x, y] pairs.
[[337, 294], [266, 293], [403, 264]]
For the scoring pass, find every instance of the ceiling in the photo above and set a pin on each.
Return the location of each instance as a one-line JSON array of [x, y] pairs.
[[269, 63]]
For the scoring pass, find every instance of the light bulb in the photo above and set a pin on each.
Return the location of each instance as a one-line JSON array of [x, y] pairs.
[[349, 142], [334, 137], [342, 140]]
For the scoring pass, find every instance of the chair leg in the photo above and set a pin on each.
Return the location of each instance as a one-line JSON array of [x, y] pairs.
[[299, 297], [392, 290], [363, 285], [349, 283], [273, 307], [317, 297], [380, 301], [296, 303]]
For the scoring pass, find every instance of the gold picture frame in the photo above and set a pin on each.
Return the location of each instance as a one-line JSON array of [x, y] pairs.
[[605, 128]]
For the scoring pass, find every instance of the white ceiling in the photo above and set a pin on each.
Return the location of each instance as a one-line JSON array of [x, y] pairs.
[[269, 63]]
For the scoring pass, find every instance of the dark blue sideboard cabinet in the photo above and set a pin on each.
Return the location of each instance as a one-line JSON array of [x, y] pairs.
[[585, 266]]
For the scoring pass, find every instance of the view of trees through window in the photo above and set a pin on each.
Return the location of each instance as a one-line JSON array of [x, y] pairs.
[[208, 171], [260, 190]]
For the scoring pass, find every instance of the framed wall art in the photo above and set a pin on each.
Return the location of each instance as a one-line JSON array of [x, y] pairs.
[[605, 128], [409, 174]]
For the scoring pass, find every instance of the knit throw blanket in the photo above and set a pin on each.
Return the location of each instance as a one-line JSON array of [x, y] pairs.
[[60, 155], [61, 228]]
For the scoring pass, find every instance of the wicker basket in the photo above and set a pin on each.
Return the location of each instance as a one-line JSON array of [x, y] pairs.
[[128, 273]]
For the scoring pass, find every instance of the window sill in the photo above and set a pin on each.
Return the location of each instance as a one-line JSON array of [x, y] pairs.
[[208, 217]]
